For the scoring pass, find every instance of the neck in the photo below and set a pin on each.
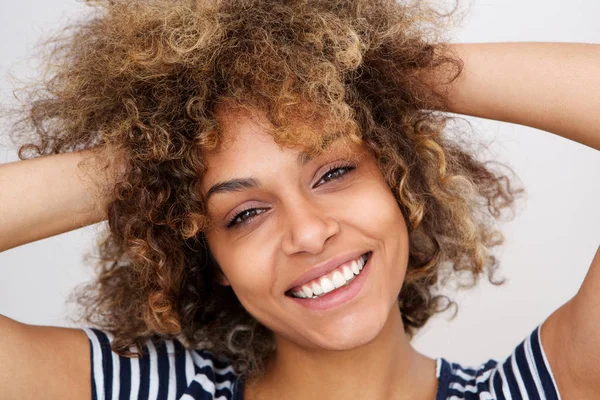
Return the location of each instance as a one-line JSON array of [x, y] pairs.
[[386, 368]]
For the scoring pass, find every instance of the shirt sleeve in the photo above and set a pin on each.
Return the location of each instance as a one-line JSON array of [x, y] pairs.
[[166, 370], [162, 372], [525, 374]]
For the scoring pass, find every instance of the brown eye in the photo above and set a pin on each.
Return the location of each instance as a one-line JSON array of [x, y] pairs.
[[335, 173], [244, 216]]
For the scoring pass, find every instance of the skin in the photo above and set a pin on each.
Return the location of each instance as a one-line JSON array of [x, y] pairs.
[[301, 220]]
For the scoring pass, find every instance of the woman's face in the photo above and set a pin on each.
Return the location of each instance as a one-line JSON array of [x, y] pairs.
[[280, 220]]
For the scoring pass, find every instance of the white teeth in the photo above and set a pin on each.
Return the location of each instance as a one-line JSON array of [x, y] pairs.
[[354, 267], [326, 285], [316, 289], [338, 279], [347, 273], [307, 291]]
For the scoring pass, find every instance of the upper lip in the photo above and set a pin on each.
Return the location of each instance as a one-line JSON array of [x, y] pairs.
[[325, 268]]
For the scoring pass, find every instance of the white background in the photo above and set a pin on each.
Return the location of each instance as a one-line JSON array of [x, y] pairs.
[[549, 245]]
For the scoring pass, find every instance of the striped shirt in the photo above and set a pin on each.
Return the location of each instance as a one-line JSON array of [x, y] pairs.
[[169, 371]]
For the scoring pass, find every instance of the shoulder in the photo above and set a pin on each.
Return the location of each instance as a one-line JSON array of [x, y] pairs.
[[571, 336], [42, 362], [165, 369], [524, 374]]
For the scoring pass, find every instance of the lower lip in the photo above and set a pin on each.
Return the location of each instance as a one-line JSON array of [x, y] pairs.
[[339, 296]]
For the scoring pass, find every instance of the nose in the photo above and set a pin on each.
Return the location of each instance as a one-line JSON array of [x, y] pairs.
[[309, 225]]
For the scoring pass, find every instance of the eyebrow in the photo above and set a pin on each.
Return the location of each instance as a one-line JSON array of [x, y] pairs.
[[239, 184], [233, 185]]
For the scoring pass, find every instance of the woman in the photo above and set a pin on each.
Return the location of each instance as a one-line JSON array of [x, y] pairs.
[[280, 196]]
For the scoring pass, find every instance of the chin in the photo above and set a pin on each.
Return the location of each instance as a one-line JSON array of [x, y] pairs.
[[351, 332]]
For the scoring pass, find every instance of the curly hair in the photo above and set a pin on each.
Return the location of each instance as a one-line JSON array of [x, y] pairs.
[[143, 79]]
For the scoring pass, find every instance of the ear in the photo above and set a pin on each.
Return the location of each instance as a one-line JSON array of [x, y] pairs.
[[222, 279]]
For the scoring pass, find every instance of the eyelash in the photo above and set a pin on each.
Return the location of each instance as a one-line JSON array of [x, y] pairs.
[[333, 170]]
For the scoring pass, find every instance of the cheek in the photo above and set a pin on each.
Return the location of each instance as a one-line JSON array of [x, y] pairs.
[[377, 215], [247, 270], [375, 210]]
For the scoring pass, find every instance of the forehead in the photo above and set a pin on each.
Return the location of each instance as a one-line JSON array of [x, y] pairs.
[[247, 145], [300, 126], [239, 130]]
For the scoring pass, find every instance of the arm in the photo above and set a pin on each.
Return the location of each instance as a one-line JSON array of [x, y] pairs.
[[550, 86], [49, 195], [39, 198], [553, 87], [43, 362]]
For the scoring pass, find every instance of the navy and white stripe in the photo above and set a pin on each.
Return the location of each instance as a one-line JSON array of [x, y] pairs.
[[169, 371], [524, 375]]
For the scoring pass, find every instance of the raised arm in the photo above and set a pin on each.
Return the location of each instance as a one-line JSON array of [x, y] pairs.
[[554, 87], [550, 86], [49, 195], [39, 198]]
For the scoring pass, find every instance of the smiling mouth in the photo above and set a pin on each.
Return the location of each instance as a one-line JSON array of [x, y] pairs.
[[340, 277]]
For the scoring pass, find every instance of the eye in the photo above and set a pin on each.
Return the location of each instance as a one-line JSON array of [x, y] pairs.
[[244, 216], [336, 172]]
